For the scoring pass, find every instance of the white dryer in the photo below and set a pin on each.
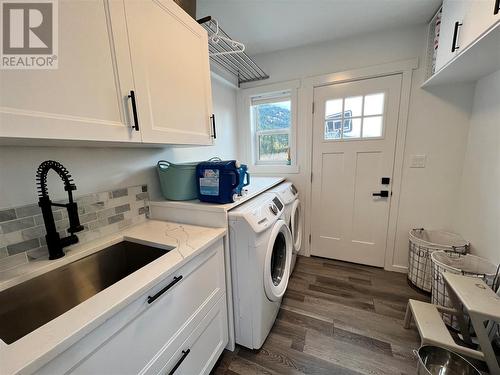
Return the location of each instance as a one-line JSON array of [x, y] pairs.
[[289, 195], [261, 251]]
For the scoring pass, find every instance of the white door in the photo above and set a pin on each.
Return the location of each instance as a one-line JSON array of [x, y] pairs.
[[170, 61], [354, 134], [85, 97]]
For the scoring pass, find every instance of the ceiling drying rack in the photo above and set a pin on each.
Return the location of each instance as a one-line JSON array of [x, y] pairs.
[[230, 54]]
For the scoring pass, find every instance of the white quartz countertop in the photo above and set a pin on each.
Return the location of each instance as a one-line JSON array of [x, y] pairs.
[[37, 348], [257, 185]]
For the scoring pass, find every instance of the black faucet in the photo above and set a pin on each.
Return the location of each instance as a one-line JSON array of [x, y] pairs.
[[55, 243]]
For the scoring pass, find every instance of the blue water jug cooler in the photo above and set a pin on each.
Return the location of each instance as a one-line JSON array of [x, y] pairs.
[[221, 181]]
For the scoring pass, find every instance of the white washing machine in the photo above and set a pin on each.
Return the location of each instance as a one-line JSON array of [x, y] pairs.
[[261, 251], [289, 195]]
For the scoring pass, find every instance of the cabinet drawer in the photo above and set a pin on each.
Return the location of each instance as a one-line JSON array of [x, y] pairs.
[[198, 354], [132, 339]]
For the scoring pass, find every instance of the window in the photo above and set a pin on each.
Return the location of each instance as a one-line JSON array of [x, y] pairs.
[[355, 117], [267, 117], [271, 116], [272, 124]]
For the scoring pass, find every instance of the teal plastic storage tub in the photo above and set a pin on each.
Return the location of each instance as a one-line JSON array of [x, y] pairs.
[[177, 181]]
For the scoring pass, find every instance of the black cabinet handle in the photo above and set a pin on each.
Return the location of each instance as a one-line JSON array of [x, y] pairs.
[[497, 7], [382, 194], [214, 134], [454, 46], [134, 110], [174, 281], [179, 362]]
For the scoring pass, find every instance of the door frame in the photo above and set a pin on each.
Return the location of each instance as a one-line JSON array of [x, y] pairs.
[[306, 107]]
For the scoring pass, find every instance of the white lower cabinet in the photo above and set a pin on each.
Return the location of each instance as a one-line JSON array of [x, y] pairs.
[[198, 354], [148, 338]]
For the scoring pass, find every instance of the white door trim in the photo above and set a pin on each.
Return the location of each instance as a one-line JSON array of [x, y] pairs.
[[306, 93]]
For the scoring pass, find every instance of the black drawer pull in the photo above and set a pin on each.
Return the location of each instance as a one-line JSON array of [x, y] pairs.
[[179, 362], [134, 110], [214, 134], [454, 46], [497, 7], [174, 281]]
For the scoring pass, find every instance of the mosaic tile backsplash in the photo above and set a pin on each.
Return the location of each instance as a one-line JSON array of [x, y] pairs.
[[22, 230]]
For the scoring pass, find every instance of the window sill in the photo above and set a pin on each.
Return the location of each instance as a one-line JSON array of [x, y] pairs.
[[270, 169]]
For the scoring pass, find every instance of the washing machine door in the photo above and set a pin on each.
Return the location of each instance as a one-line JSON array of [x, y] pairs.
[[296, 225], [277, 262]]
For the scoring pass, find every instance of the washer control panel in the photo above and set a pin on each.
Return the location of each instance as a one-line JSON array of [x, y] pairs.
[[261, 213]]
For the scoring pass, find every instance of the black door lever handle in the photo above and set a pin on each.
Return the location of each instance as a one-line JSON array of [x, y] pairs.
[[382, 194]]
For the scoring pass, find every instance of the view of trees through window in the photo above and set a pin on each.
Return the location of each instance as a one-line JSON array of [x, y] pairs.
[[273, 122]]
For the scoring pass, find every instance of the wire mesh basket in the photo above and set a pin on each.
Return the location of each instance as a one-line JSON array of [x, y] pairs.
[[460, 264], [422, 243]]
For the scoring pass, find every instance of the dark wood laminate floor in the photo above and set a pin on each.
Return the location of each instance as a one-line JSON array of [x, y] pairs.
[[336, 318]]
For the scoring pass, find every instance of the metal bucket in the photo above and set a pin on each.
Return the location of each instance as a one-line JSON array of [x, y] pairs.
[[433, 360]]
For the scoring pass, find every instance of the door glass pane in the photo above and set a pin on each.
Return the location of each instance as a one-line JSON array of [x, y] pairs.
[[272, 116], [333, 107], [372, 127], [278, 259], [333, 119], [352, 128], [374, 104], [273, 147], [352, 107]]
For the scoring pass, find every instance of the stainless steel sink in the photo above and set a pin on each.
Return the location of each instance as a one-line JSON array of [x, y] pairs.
[[29, 305]]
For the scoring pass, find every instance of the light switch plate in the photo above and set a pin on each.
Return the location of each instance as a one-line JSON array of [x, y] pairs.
[[418, 161]]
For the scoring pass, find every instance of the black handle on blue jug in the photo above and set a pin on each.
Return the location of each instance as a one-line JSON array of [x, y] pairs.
[[247, 178]]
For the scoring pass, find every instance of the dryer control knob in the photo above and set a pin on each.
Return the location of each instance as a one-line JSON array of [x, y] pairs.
[[273, 209]]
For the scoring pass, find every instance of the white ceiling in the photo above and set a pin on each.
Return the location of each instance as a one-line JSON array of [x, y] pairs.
[[270, 25]]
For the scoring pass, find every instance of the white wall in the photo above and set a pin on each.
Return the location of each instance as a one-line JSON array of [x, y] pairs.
[[100, 169], [478, 213], [437, 124]]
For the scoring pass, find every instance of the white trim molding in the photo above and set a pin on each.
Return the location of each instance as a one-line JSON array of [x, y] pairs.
[[306, 93], [246, 141]]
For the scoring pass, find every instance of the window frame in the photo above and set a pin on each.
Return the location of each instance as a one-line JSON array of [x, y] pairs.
[[248, 142]]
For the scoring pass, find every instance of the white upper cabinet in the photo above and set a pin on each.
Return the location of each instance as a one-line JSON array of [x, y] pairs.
[[450, 41], [83, 98], [480, 17], [469, 37], [109, 49], [169, 52]]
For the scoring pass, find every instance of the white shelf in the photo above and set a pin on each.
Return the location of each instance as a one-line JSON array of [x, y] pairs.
[[479, 59], [257, 186]]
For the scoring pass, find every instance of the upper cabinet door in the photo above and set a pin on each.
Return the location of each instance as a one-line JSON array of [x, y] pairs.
[[85, 98], [450, 32], [169, 52], [481, 16]]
